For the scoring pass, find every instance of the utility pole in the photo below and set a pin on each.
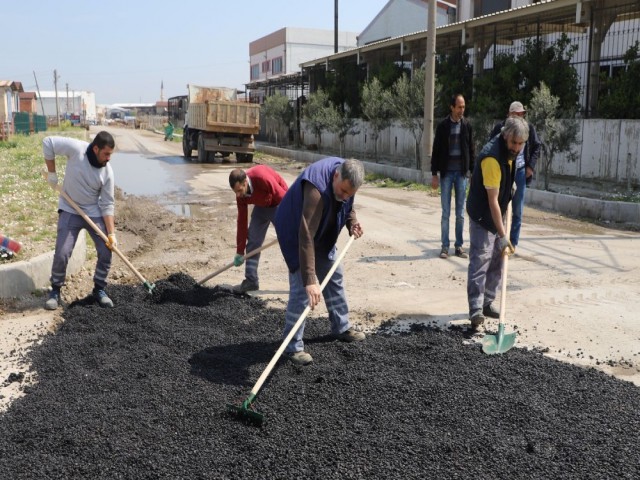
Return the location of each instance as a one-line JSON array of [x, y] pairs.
[[55, 84], [67, 87], [335, 26], [39, 96], [429, 91]]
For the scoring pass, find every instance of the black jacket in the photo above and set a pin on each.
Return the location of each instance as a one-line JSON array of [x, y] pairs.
[[478, 199], [440, 152], [531, 148]]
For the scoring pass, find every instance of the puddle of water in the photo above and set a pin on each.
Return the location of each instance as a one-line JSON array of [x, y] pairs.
[[166, 178]]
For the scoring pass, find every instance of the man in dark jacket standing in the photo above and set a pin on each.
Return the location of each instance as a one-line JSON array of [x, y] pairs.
[[489, 197], [308, 222], [452, 156], [525, 166]]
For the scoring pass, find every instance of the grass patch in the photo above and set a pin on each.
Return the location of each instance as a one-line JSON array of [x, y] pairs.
[[386, 182], [28, 204]]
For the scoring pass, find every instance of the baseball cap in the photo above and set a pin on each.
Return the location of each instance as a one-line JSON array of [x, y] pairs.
[[516, 107]]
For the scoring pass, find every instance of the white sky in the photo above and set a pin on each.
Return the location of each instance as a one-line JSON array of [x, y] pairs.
[[123, 50]]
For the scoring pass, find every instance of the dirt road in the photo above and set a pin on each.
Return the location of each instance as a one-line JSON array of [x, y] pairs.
[[572, 287]]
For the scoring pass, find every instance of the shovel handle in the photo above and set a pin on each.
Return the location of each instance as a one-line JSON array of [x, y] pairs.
[[100, 233], [295, 328], [505, 268], [228, 266]]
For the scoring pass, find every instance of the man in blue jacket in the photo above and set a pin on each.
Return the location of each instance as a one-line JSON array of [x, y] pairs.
[[487, 202], [525, 166], [308, 222]]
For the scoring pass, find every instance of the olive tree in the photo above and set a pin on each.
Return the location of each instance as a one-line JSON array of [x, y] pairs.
[[278, 110], [318, 112], [342, 124], [557, 134], [407, 103], [376, 109]]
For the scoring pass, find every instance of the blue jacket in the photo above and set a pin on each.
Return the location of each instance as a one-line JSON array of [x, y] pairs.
[[289, 213]]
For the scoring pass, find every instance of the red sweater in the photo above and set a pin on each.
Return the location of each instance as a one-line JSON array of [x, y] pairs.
[[267, 190]]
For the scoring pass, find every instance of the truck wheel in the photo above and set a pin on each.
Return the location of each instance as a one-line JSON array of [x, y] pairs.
[[186, 147], [202, 153]]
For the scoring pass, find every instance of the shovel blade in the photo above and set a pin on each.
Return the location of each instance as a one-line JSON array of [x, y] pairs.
[[501, 343]]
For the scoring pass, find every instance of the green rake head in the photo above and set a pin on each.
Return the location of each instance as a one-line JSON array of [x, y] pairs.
[[246, 413], [149, 286]]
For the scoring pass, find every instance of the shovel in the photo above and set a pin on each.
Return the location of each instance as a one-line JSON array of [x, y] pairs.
[[228, 266], [148, 286], [246, 411], [492, 344]]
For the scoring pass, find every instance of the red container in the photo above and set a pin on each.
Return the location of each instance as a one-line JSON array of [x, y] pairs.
[[9, 244]]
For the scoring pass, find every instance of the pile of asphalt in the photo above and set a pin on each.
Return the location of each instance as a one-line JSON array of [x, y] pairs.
[[140, 391]]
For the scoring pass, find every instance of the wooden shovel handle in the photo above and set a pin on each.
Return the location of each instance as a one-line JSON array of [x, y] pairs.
[[229, 265]]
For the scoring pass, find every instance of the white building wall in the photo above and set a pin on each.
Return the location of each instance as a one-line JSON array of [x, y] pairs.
[[73, 104]]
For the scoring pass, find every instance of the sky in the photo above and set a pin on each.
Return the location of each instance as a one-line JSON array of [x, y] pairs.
[[123, 50]]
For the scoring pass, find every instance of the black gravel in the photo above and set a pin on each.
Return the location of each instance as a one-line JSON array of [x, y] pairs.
[[139, 392]]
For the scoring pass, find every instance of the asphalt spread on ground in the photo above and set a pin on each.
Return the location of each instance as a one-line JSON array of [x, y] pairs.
[[140, 391]]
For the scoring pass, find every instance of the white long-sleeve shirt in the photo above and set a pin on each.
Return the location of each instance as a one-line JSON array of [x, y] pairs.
[[91, 188]]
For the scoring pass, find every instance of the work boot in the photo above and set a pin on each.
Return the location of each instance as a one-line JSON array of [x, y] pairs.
[[461, 253], [444, 253], [299, 358], [102, 298], [350, 335], [490, 311], [53, 300], [246, 286], [477, 319]]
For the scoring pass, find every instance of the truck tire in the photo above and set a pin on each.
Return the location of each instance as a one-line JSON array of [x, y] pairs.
[[202, 153], [186, 145]]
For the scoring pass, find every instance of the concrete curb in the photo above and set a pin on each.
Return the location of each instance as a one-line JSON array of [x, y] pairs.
[[603, 210], [23, 277]]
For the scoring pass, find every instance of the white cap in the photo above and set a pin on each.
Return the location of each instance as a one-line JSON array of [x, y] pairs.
[[516, 107]]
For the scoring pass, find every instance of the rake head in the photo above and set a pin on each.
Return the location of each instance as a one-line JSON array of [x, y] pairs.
[[246, 413]]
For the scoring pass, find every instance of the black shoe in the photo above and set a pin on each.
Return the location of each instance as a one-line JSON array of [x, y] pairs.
[[461, 253], [477, 319], [246, 286], [444, 253], [490, 311]]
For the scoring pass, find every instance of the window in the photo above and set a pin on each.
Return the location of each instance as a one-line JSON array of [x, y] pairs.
[[255, 71], [265, 66], [276, 65]]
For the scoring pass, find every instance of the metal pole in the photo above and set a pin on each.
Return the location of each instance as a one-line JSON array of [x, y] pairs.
[[429, 90], [335, 26], [55, 83], [40, 96]]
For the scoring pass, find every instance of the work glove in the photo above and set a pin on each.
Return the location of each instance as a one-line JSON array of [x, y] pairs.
[[112, 241], [238, 260], [506, 246], [52, 179]]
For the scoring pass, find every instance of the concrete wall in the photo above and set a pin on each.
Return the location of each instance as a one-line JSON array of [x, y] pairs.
[[618, 212], [608, 150], [26, 276]]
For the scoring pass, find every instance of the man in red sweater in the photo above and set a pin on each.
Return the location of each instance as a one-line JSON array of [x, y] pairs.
[[264, 188]]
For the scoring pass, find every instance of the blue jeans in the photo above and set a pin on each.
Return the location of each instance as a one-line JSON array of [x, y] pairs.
[[334, 299], [517, 205], [458, 182]]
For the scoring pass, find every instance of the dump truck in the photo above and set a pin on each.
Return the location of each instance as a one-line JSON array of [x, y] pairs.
[[216, 122]]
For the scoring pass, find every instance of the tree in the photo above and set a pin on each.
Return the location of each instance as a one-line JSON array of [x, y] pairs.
[[342, 124], [407, 102], [498, 87], [619, 96], [277, 109], [455, 75], [376, 109], [557, 134], [318, 113]]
